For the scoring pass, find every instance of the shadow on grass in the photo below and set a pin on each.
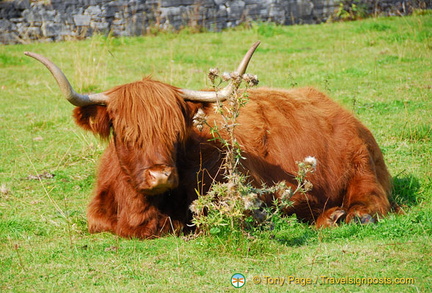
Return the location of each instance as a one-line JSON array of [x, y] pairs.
[[406, 190]]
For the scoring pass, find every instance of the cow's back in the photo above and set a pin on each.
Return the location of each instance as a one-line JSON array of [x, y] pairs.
[[278, 128]]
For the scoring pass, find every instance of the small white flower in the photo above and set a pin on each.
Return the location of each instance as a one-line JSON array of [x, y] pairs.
[[311, 161]]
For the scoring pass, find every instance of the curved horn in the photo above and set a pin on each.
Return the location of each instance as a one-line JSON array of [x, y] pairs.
[[68, 92], [223, 94]]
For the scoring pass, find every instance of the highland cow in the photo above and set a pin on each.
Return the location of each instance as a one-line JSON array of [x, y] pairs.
[[149, 173]]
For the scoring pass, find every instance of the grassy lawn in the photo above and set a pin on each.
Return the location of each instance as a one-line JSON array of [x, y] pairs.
[[378, 68]]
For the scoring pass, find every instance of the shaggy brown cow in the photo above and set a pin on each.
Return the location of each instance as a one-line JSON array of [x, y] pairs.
[[148, 174]]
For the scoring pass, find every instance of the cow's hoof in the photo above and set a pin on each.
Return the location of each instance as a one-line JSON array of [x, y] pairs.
[[338, 216], [364, 219], [331, 218]]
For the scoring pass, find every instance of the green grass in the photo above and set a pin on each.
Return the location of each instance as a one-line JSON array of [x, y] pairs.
[[378, 68]]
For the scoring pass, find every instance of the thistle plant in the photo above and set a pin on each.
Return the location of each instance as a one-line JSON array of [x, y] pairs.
[[225, 203], [283, 193], [235, 204]]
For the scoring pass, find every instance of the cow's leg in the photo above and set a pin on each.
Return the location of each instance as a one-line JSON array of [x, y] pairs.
[[139, 219], [102, 213], [367, 190], [365, 200], [102, 210]]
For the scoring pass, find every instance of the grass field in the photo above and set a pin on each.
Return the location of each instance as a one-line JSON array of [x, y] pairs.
[[378, 68]]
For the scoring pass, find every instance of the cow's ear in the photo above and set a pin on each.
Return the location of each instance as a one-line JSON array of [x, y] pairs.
[[94, 118]]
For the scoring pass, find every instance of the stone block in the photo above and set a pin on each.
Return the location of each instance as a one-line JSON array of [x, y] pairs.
[[118, 21], [82, 20], [94, 11], [50, 29], [7, 25], [31, 16], [176, 3], [9, 38], [21, 4], [33, 32], [99, 25]]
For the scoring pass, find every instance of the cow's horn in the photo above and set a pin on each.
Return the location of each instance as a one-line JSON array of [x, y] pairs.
[[65, 86], [223, 94]]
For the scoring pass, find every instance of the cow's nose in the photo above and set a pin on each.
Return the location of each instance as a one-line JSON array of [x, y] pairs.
[[159, 179]]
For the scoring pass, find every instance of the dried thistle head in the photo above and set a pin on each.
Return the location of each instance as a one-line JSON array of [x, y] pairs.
[[199, 119], [194, 209], [213, 74], [251, 201], [235, 76], [226, 76], [250, 79], [284, 193], [307, 186], [287, 193]]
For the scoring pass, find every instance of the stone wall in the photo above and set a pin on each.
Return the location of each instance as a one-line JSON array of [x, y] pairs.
[[23, 21]]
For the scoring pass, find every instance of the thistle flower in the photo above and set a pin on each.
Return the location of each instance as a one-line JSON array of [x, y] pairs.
[[199, 119], [286, 193], [213, 74], [226, 76], [311, 162], [193, 208], [235, 76], [250, 79], [251, 201], [307, 186]]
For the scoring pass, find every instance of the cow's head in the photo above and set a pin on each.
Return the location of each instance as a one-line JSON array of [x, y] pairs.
[[147, 119]]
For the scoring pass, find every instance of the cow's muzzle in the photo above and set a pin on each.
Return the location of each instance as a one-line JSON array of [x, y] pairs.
[[158, 179]]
